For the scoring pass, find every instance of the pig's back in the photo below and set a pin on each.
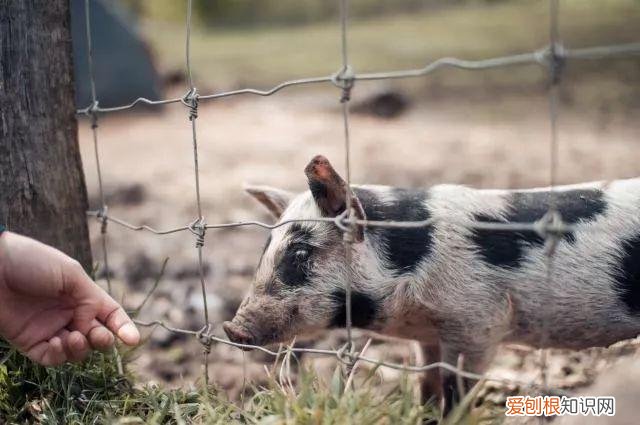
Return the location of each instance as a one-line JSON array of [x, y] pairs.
[[591, 297]]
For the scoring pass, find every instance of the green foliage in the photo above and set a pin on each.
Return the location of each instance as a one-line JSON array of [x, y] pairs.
[[29, 392], [94, 393], [88, 393], [316, 402]]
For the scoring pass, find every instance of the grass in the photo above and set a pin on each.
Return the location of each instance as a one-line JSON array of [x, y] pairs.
[[262, 56], [94, 393], [70, 394]]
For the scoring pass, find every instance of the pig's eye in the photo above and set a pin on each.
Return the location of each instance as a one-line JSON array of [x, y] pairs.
[[294, 268], [301, 254]]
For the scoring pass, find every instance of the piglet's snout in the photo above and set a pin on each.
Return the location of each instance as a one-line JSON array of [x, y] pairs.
[[238, 334]]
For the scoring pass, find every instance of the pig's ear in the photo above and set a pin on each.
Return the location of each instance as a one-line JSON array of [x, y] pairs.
[[330, 191], [275, 200]]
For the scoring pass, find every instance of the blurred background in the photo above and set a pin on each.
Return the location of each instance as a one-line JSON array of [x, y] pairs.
[[483, 129]]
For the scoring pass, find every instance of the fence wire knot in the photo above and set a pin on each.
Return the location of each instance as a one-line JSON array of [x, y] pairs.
[[552, 228], [92, 112], [540, 55], [344, 79], [101, 215], [190, 100], [557, 61], [204, 337], [342, 221], [347, 356], [198, 227], [345, 223], [344, 354]]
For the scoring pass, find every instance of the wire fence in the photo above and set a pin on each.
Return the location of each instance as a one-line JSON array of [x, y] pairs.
[[550, 227]]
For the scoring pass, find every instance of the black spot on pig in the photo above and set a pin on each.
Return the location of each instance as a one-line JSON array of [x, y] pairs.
[[364, 309], [405, 248], [628, 274], [294, 268], [504, 248]]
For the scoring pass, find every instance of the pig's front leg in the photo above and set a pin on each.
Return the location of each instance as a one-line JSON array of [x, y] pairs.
[[430, 381], [474, 359]]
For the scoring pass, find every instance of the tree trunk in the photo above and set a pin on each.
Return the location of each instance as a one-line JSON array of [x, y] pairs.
[[42, 188]]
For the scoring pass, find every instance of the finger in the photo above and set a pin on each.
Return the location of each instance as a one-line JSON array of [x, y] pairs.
[[100, 338], [115, 318], [48, 353], [97, 336], [77, 346], [63, 334], [37, 352], [55, 356]]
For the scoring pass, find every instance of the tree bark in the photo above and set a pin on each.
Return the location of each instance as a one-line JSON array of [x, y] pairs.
[[42, 188]]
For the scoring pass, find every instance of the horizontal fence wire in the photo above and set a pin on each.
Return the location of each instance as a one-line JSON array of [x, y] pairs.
[[550, 227], [540, 57], [543, 227], [206, 336]]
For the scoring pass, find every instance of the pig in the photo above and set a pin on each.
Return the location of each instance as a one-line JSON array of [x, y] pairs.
[[457, 289]]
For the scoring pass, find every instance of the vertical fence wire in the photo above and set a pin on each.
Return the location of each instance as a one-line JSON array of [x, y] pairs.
[[93, 114], [187, 49], [94, 130], [554, 217], [345, 80], [198, 227], [555, 70]]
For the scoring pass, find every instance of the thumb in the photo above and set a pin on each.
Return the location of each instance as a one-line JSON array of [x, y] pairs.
[[113, 316]]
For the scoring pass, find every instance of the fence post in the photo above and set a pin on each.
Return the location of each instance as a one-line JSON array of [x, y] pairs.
[[42, 187]]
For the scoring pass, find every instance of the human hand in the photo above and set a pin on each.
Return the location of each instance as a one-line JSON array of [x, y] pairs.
[[50, 309]]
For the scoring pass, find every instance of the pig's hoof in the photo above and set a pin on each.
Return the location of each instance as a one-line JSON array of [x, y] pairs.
[[237, 334]]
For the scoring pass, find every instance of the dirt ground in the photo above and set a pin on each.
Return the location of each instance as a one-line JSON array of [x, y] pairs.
[[147, 167]]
